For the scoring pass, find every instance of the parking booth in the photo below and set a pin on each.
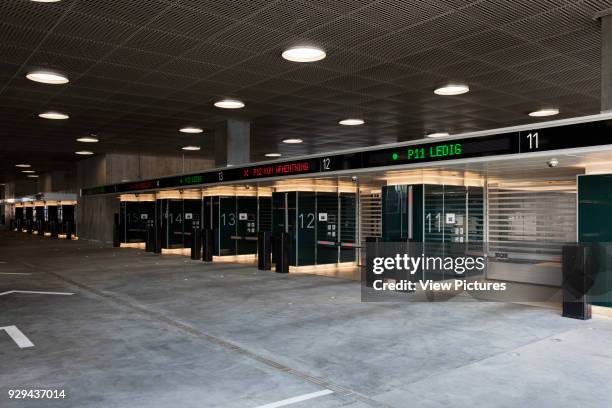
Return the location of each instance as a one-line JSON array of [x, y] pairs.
[[320, 221], [175, 215], [135, 212], [51, 218], [236, 216], [29, 217], [18, 217]]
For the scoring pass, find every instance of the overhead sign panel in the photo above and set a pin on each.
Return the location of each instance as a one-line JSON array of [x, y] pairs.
[[534, 140]]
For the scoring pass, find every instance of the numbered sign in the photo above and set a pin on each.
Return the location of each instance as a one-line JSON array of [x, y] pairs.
[[326, 164], [530, 141]]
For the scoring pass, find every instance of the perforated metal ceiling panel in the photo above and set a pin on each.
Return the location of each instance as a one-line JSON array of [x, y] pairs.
[[140, 70]]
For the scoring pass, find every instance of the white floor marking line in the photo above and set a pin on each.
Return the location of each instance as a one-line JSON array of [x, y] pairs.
[[17, 336], [14, 273], [34, 292], [297, 399]]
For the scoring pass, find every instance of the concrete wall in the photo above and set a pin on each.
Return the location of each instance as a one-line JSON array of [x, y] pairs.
[[57, 182], [124, 167], [50, 182], [9, 192], [91, 211], [25, 187], [95, 214], [95, 218]]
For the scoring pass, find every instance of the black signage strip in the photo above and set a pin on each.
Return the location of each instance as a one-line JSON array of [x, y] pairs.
[[577, 135]]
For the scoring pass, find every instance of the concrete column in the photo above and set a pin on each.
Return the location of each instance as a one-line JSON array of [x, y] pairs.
[[606, 59], [3, 219], [232, 142]]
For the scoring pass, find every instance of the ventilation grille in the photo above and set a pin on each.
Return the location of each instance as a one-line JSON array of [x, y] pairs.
[[531, 225], [370, 211]]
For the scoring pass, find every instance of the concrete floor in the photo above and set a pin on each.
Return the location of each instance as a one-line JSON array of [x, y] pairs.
[[149, 331]]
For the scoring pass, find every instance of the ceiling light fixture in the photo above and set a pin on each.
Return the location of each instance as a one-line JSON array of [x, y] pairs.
[[45, 1], [23, 165], [191, 148], [304, 54], [47, 77], [191, 129], [28, 171], [87, 140], [229, 104], [273, 155], [452, 89], [84, 153], [33, 175], [292, 141], [544, 112], [352, 122], [53, 115], [438, 134]]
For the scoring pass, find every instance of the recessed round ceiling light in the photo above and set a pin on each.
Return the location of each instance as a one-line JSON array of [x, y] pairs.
[[191, 129], [28, 171], [84, 153], [229, 104], [544, 112], [352, 122], [292, 141], [192, 148], [23, 165], [87, 140], [304, 54], [438, 134], [33, 175], [47, 77], [273, 155], [452, 89], [53, 115]]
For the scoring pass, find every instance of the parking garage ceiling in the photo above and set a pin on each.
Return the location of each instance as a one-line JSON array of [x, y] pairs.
[[140, 70]]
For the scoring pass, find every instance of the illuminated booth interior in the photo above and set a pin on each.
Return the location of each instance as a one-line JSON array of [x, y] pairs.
[[433, 213], [46, 214], [320, 220], [28, 217], [135, 214], [178, 216], [235, 222], [17, 223], [234, 215]]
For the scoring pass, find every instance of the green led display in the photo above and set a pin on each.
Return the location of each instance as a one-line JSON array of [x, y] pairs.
[[422, 153], [192, 179]]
